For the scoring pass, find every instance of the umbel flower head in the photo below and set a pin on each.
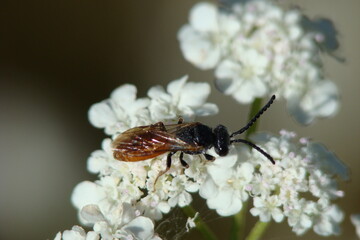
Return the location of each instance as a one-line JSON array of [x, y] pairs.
[[123, 110], [126, 201], [258, 49], [300, 186]]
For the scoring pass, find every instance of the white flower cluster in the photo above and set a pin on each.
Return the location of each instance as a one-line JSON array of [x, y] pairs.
[[124, 202], [123, 110], [258, 49], [126, 199], [77, 233], [300, 186]]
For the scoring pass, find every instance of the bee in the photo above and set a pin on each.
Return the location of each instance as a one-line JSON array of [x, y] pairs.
[[145, 142]]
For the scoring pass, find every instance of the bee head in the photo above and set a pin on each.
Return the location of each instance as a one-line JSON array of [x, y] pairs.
[[222, 140]]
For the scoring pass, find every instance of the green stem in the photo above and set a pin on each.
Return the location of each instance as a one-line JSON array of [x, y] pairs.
[[258, 230], [201, 226], [239, 220], [260, 227], [255, 108], [239, 223]]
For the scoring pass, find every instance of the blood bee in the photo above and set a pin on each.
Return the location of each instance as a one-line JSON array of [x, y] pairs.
[[145, 142]]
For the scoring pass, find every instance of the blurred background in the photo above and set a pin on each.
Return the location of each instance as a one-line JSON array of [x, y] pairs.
[[59, 57]]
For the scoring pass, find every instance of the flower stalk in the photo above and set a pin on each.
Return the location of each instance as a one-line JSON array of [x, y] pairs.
[[258, 230], [239, 224], [255, 108], [239, 219]]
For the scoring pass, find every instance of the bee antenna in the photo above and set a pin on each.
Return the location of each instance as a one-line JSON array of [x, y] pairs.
[[253, 120], [253, 145]]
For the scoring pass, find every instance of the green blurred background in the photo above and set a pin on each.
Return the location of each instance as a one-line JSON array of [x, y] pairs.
[[59, 57]]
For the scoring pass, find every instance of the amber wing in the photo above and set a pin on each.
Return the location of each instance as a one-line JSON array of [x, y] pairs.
[[145, 142]]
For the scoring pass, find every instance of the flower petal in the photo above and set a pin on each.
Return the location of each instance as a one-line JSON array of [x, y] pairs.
[[91, 214], [124, 95], [86, 193], [175, 87], [198, 49], [204, 17], [235, 207], [101, 115], [141, 227], [194, 94]]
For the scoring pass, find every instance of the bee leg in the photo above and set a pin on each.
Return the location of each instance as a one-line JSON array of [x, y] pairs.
[[168, 165], [185, 165], [181, 120], [209, 157]]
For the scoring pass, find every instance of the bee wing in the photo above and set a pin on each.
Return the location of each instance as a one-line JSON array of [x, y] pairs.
[[173, 128], [146, 142]]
